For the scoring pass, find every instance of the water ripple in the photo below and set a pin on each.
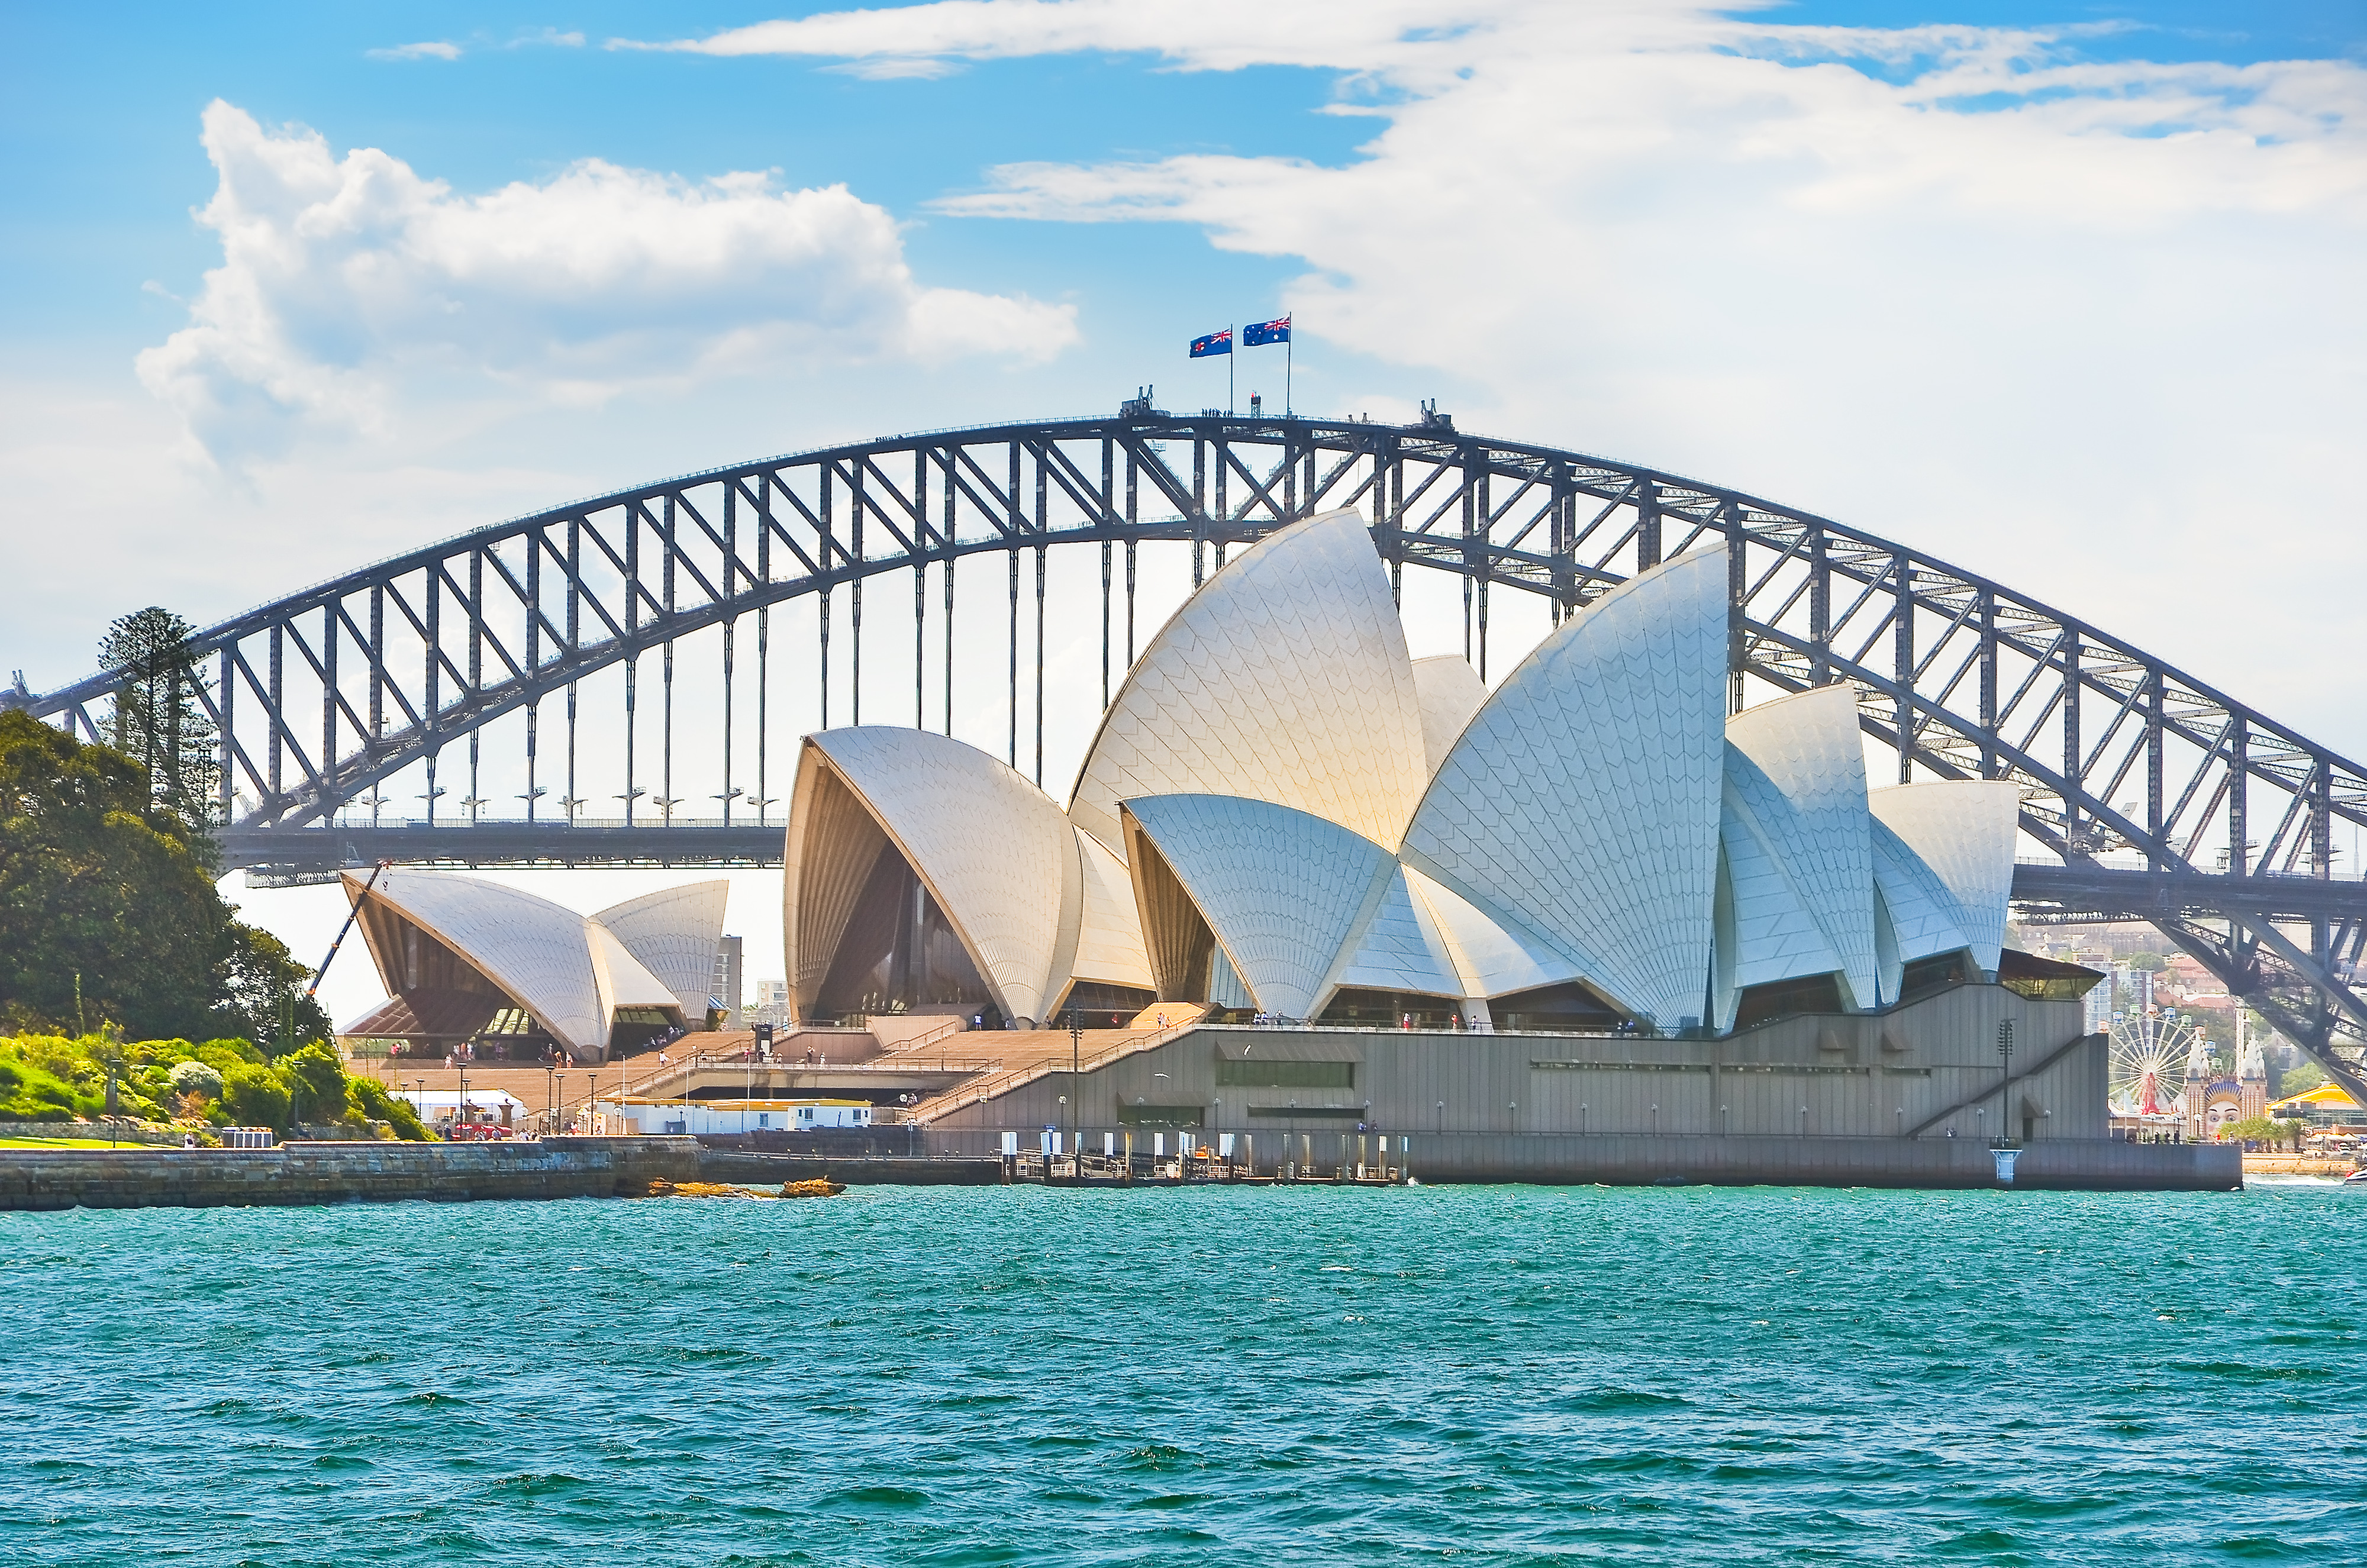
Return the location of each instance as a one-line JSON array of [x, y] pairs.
[[1489, 1376]]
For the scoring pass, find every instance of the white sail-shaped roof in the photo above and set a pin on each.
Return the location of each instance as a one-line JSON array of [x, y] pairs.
[[1492, 960], [1583, 799], [673, 933], [1964, 831], [1401, 948], [993, 851], [1774, 934], [1808, 749], [1450, 691], [1283, 890], [1283, 678], [536, 950], [1916, 916], [624, 981], [1109, 936]]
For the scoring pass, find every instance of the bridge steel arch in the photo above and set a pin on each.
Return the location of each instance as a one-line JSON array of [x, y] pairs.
[[2159, 798]]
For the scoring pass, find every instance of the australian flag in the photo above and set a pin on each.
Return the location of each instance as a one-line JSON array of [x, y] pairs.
[[1214, 342], [1257, 334]]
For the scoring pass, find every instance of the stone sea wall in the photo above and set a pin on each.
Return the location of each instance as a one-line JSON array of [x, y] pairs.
[[339, 1173]]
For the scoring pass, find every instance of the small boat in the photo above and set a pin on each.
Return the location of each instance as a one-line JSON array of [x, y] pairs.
[[2356, 1178]]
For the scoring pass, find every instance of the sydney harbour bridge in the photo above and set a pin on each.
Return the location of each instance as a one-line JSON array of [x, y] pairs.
[[557, 650]]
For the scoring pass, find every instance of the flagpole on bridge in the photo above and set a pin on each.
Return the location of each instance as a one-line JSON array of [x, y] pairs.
[[1233, 341], [1289, 343]]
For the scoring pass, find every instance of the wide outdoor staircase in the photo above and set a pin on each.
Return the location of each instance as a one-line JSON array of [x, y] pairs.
[[1022, 1056]]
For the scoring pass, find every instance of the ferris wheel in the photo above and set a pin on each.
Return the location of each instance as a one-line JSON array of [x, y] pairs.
[[2149, 1056]]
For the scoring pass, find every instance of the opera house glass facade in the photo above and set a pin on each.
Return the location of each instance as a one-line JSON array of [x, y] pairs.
[[1284, 814]]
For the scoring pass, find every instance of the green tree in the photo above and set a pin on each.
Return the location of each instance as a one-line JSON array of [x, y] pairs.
[[2299, 1079], [2259, 1130], [256, 1096], [100, 887], [159, 719], [262, 990]]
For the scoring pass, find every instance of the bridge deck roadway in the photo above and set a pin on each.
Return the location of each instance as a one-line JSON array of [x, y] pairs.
[[310, 854]]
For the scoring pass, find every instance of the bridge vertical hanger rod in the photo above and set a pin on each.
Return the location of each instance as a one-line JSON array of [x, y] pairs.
[[429, 712], [277, 658], [665, 675], [1902, 663], [919, 587], [1482, 511], [2239, 815], [223, 786], [1109, 508], [1018, 526], [1468, 456], [854, 596], [328, 711], [575, 802], [533, 658], [1737, 590], [1820, 606], [633, 660], [476, 674], [1043, 526], [1222, 450], [950, 533], [1396, 522], [730, 626], [2154, 790], [1988, 694], [1200, 501], [764, 642], [823, 555], [377, 664], [2074, 834], [1132, 474]]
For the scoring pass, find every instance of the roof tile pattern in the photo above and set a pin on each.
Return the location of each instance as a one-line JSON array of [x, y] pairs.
[[538, 952], [1450, 691], [1964, 831], [1584, 797], [1919, 915], [993, 849], [1491, 960], [1808, 749], [1401, 948], [1774, 934], [1285, 679], [1109, 937], [675, 933], [1282, 889]]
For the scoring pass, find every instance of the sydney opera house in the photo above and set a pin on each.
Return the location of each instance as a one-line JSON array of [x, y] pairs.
[[1310, 891], [1285, 817]]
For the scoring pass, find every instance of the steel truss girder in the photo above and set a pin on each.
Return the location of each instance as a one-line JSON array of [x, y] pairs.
[[1959, 676]]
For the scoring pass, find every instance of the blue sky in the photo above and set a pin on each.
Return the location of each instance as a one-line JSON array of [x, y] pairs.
[[2067, 294]]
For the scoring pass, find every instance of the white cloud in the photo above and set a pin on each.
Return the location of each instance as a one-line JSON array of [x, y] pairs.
[[2089, 326], [348, 282], [438, 49]]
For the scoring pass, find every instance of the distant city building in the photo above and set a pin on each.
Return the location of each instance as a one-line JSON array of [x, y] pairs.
[[726, 992]]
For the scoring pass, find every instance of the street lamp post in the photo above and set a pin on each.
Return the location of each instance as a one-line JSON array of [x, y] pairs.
[[2005, 1076]]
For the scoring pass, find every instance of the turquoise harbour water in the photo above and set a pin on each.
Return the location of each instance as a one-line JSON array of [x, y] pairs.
[[1476, 1375]]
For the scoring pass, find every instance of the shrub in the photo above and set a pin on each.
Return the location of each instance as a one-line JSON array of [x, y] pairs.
[[317, 1080], [371, 1098], [256, 1096], [195, 1077]]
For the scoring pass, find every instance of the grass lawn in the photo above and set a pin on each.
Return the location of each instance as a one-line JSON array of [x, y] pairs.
[[65, 1144]]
